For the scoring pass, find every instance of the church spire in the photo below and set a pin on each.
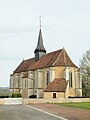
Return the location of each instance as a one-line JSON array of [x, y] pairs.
[[40, 46], [40, 21], [40, 50]]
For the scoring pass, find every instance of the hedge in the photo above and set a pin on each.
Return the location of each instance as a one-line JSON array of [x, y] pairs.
[[16, 95]]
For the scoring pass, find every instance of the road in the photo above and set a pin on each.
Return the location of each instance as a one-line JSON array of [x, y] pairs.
[[20, 112]]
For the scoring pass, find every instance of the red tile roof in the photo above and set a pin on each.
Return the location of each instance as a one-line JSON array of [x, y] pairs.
[[24, 65], [57, 85], [56, 58]]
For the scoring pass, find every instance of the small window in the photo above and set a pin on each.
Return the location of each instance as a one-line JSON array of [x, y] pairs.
[[54, 95]]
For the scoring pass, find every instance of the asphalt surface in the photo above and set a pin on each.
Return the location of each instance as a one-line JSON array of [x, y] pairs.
[[20, 112]]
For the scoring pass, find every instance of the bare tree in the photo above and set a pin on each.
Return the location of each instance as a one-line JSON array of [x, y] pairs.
[[85, 72]]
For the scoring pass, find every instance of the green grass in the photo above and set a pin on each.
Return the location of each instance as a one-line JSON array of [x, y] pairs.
[[77, 105]]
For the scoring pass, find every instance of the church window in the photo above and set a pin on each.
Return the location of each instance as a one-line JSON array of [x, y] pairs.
[[48, 77], [70, 79]]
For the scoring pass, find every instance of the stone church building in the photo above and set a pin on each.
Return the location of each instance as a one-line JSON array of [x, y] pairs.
[[47, 75]]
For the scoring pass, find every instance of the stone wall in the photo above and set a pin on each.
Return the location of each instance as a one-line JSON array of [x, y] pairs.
[[35, 101], [62, 100], [49, 95], [10, 101]]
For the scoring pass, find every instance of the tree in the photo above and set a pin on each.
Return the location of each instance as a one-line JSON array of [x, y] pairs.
[[85, 72]]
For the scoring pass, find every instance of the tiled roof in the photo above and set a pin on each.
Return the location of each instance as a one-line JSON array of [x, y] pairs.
[[56, 58], [24, 65], [57, 85], [46, 60]]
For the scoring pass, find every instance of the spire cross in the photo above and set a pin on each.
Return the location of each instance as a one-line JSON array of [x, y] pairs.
[[40, 21]]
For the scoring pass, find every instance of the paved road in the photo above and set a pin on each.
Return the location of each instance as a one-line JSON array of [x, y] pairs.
[[20, 112]]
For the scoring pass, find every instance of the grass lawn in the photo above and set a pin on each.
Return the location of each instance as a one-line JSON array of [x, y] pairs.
[[77, 105]]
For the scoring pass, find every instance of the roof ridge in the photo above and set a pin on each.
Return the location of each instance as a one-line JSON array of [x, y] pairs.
[[54, 51], [29, 59], [58, 57]]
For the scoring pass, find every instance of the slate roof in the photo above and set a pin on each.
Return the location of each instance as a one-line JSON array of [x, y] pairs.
[[57, 85], [40, 46], [56, 58]]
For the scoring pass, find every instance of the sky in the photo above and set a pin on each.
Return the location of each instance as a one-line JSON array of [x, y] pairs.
[[65, 23]]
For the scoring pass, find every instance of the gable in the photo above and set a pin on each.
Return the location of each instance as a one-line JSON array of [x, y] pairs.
[[64, 60]]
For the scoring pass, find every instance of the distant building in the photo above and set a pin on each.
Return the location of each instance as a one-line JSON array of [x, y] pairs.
[[47, 75]]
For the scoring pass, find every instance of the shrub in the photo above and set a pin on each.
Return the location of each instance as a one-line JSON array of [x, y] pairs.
[[3, 96], [16, 95], [79, 97], [32, 96]]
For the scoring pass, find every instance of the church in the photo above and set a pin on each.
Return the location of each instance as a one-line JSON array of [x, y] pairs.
[[47, 75]]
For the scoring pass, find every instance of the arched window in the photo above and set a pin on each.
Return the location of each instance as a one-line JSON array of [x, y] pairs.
[[70, 79], [48, 77]]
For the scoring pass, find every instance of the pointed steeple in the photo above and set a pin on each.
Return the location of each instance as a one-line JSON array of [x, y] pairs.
[[40, 50], [40, 46]]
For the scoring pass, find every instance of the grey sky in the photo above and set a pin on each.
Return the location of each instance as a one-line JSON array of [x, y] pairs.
[[65, 23]]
